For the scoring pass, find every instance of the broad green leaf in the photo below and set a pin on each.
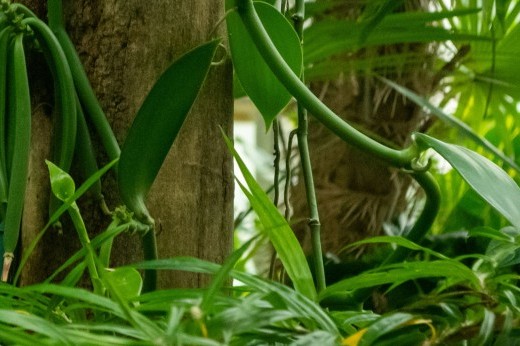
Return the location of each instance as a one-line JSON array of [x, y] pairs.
[[158, 122], [401, 272], [454, 122], [62, 184], [128, 281], [485, 177], [257, 80], [278, 231]]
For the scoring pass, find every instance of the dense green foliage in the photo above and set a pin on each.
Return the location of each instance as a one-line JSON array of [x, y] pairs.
[[456, 286]]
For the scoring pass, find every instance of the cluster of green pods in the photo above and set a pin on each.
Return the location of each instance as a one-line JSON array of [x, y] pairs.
[[21, 30]]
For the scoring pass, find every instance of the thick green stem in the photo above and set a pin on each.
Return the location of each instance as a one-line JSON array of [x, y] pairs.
[[397, 158], [303, 146], [150, 253]]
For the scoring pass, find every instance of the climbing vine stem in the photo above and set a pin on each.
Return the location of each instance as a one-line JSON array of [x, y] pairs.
[[252, 23], [308, 179]]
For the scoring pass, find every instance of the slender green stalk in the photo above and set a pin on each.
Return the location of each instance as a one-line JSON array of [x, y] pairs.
[[288, 176], [303, 145], [276, 162], [150, 253], [397, 158], [276, 197], [77, 220]]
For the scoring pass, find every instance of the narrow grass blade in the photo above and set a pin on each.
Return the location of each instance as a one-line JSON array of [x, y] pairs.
[[278, 231], [402, 272], [313, 315]]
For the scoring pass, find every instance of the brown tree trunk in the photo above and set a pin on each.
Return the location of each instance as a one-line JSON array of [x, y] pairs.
[[125, 45]]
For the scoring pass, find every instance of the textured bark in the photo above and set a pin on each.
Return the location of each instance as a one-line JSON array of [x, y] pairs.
[[125, 45], [356, 193]]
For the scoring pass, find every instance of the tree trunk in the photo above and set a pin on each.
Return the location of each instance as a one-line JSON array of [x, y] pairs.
[[125, 46]]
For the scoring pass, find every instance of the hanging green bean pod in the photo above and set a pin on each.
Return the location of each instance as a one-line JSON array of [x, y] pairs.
[[84, 153], [4, 41], [20, 108], [65, 120], [88, 99]]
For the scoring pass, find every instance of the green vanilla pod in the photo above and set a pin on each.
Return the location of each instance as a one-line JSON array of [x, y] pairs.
[[21, 109], [65, 120], [65, 97], [86, 95], [88, 99], [4, 43], [84, 153]]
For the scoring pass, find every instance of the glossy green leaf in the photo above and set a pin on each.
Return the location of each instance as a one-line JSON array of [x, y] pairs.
[[128, 281], [485, 177], [454, 122], [256, 78], [158, 122], [62, 184], [277, 230]]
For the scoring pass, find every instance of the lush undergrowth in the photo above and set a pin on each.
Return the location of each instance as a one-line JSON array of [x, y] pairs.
[[458, 288]]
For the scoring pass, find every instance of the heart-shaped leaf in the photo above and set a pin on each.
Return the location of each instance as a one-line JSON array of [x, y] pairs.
[[62, 184], [486, 178], [127, 281], [260, 84], [157, 124]]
